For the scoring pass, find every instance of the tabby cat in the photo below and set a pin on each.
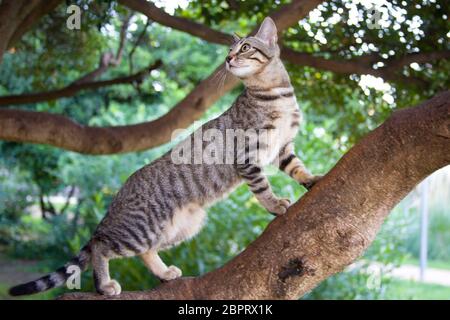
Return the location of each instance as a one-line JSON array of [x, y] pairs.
[[162, 204]]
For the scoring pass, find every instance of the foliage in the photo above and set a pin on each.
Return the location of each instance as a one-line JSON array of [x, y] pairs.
[[438, 234]]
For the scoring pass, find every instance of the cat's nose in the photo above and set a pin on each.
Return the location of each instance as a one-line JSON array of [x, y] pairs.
[[229, 58]]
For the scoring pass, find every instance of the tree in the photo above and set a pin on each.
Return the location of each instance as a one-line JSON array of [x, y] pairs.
[[336, 55]]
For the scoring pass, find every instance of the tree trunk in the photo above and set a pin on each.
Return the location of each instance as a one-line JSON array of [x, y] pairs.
[[332, 225]]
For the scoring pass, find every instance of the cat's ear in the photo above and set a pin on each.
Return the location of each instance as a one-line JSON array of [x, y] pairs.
[[236, 38], [268, 32]]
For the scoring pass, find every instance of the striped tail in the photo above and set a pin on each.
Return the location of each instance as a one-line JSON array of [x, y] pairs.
[[54, 279]]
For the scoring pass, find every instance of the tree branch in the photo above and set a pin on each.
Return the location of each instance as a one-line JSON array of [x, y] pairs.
[[75, 88], [332, 225], [68, 198]]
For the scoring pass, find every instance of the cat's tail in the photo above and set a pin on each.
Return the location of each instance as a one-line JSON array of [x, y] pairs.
[[57, 278]]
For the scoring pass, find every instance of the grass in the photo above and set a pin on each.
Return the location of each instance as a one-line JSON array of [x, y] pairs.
[[437, 264], [410, 290]]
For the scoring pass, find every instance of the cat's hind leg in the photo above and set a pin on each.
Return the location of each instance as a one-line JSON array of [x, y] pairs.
[[185, 223], [154, 263], [103, 282]]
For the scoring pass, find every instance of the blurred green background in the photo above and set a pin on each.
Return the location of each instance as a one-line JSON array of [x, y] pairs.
[[51, 199]]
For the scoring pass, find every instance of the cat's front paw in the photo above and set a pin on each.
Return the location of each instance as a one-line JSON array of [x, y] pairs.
[[308, 184], [279, 207]]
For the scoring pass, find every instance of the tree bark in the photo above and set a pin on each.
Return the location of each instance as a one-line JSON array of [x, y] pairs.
[[332, 225]]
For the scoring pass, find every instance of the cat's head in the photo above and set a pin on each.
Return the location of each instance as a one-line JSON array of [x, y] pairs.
[[248, 56]]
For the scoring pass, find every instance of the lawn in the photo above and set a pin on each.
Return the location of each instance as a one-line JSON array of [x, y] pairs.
[[436, 264], [410, 290]]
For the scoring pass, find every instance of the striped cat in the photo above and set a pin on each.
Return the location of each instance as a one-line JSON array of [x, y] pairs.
[[163, 203]]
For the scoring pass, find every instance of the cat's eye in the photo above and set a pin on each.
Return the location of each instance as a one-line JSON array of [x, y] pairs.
[[245, 47]]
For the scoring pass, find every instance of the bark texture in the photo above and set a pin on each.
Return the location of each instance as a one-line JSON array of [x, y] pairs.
[[332, 225]]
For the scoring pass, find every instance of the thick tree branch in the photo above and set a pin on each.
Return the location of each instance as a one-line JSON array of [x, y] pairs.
[[75, 87], [332, 225]]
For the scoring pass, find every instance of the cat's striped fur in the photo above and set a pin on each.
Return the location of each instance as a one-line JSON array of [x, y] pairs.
[[162, 204]]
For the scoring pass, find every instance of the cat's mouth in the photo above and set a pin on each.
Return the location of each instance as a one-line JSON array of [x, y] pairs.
[[231, 65]]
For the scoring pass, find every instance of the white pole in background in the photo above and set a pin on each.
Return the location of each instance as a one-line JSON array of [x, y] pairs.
[[423, 228]]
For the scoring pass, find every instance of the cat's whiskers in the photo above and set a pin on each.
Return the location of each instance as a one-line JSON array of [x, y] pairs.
[[219, 75], [223, 79]]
